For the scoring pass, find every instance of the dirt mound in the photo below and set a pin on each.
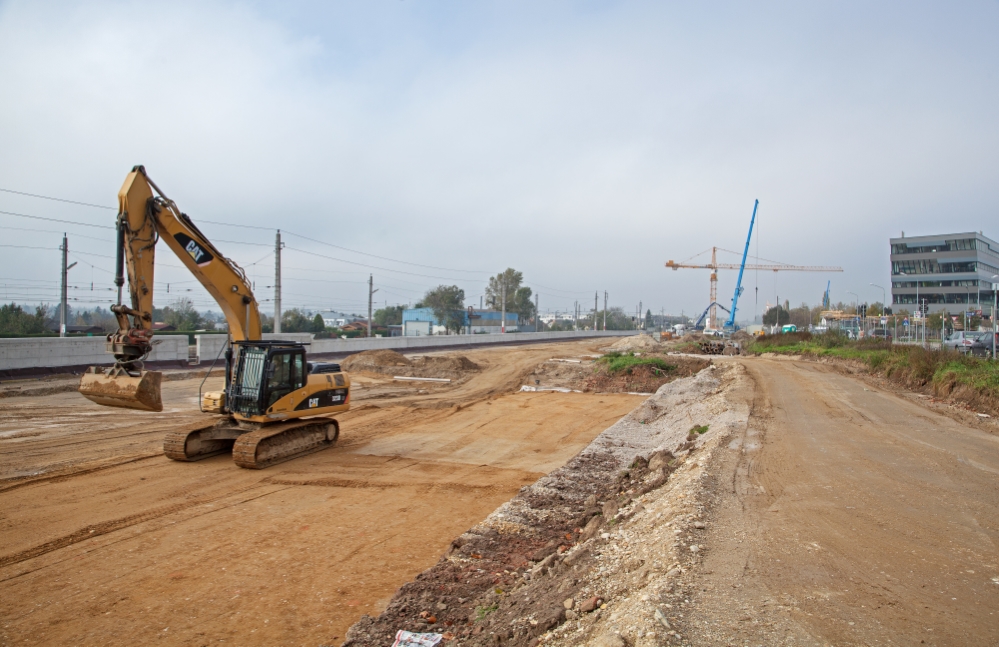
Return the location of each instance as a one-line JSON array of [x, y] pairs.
[[389, 362], [643, 378], [636, 342], [741, 335], [374, 360], [594, 376], [451, 366]]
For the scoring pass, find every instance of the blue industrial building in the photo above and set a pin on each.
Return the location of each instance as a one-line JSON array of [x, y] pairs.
[[421, 321]]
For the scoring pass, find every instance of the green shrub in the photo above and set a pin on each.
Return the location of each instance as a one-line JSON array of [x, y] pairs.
[[617, 362]]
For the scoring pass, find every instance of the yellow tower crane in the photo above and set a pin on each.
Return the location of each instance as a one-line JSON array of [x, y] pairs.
[[714, 266]]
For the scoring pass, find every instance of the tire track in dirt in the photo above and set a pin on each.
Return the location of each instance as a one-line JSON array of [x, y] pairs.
[[114, 525]]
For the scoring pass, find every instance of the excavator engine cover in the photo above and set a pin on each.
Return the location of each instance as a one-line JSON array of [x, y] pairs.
[[116, 387]]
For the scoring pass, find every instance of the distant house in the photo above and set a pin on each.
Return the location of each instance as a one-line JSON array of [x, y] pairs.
[[333, 319], [421, 321], [159, 326], [357, 325]]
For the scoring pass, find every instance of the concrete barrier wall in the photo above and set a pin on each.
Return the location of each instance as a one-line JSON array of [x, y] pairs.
[[347, 346], [51, 352], [210, 345], [42, 352]]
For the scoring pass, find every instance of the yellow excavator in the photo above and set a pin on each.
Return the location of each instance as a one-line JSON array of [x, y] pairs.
[[272, 406]]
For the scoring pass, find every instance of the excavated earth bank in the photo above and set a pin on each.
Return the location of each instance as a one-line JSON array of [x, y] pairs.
[[389, 362], [593, 553]]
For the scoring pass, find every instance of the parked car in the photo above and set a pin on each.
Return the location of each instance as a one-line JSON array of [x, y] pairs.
[[982, 345], [960, 340], [879, 333]]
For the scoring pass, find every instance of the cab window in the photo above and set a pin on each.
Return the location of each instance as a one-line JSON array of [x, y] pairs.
[[285, 374]]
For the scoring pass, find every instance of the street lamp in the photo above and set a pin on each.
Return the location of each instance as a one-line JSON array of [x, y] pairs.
[[884, 298], [995, 302], [856, 313], [917, 297]]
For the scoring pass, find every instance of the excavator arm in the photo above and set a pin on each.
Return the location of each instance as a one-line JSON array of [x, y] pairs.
[[146, 216], [144, 219]]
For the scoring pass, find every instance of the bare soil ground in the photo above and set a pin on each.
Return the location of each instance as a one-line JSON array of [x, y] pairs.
[[817, 509], [104, 541], [849, 515]]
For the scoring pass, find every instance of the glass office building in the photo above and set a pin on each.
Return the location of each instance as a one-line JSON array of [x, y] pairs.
[[951, 272]]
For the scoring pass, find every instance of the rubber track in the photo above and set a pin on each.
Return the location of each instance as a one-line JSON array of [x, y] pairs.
[[312, 432]]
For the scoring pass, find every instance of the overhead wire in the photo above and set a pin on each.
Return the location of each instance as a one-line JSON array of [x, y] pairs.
[[67, 222], [383, 269], [288, 232], [47, 197]]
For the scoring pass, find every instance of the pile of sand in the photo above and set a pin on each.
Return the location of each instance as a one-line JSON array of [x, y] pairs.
[[375, 361], [447, 363], [389, 362], [643, 343], [741, 335]]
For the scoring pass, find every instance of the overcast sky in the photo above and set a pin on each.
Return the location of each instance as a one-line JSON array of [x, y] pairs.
[[583, 143]]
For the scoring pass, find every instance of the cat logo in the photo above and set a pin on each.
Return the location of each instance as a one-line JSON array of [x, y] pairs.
[[313, 403], [194, 251], [191, 246]]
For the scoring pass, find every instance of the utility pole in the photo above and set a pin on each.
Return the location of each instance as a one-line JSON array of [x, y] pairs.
[[640, 315], [537, 312], [371, 294], [605, 310], [596, 304], [62, 297], [503, 312], [277, 281], [575, 315]]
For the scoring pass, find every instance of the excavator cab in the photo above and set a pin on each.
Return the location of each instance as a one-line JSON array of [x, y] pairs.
[[265, 372]]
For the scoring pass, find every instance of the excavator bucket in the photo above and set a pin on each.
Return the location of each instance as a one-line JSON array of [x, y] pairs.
[[116, 387]]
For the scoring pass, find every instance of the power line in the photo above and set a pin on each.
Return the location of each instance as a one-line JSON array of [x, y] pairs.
[[55, 231], [67, 222], [384, 258], [384, 269], [45, 197], [231, 224], [31, 247], [241, 226]]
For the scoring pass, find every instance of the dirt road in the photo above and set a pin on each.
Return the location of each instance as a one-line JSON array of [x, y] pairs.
[[104, 541], [849, 515]]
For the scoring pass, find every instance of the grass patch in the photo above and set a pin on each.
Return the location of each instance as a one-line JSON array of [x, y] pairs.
[[482, 612], [699, 429], [617, 362], [912, 366]]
